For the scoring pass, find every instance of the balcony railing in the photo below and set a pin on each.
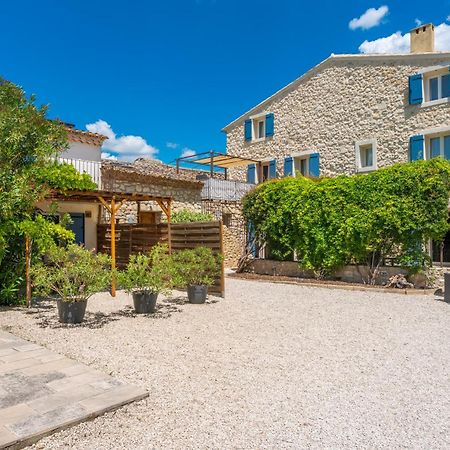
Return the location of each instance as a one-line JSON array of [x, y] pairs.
[[92, 168], [216, 189]]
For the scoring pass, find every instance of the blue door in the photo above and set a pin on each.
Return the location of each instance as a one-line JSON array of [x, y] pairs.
[[77, 226]]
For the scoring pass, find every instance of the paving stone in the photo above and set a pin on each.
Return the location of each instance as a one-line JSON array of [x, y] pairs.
[[77, 380], [40, 368], [26, 347], [12, 366], [18, 356], [15, 413], [7, 438], [56, 400]]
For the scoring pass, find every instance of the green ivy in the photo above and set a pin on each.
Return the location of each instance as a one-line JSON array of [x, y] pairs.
[[361, 219], [65, 177]]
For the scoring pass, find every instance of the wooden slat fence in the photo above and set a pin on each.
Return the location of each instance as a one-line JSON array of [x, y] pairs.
[[140, 238]]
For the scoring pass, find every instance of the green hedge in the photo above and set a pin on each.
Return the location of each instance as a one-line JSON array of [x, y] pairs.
[[362, 219]]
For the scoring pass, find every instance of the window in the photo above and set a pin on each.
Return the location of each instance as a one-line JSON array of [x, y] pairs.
[[301, 166], [260, 129], [438, 145], [226, 219], [366, 155], [437, 85], [264, 172]]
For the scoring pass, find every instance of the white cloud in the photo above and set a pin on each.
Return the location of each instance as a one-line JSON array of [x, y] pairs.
[[126, 148], [399, 43], [106, 155], [187, 152], [172, 145], [371, 18]]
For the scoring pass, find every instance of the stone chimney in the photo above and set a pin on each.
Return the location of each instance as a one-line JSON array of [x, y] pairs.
[[422, 39]]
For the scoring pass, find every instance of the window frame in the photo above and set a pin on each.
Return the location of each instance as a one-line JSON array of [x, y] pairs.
[[256, 120], [428, 139], [358, 147], [438, 72], [300, 158]]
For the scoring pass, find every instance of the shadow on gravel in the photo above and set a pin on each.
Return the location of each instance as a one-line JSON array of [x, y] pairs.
[[46, 315]]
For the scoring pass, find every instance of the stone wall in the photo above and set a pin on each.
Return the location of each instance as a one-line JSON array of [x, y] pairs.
[[345, 100], [230, 213], [349, 274], [184, 196]]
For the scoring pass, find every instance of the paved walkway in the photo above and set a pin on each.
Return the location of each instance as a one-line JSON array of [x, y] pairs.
[[41, 391]]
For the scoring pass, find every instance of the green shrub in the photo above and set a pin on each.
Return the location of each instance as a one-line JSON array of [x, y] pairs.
[[187, 215], [199, 266], [153, 272], [354, 219], [72, 273]]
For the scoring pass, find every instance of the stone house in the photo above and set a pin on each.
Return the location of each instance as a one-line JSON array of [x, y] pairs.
[[352, 114]]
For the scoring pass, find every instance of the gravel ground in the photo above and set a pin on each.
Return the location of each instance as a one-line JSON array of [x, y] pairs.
[[271, 366]]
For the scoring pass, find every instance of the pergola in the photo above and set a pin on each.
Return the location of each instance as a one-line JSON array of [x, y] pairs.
[[216, 159], [112, 201]]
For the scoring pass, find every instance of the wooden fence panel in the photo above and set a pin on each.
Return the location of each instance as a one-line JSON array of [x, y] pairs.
[[140, 238]]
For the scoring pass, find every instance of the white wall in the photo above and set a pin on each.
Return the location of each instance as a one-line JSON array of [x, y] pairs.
[[90, 223], [77, 150]]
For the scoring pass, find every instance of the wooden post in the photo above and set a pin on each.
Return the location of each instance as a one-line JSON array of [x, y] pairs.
[[138, 212], [27, 270], [222, 272], [169, 226], [113, 246], [211, 164]]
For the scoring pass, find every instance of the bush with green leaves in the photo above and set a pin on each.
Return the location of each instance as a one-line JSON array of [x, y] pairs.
[[63, 177], [198, 266], [72, 273], [151, 273], [360, 219], [187, 215]]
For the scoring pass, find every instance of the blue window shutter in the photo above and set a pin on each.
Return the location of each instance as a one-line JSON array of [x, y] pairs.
[[314, 165], [251, 173], [273, 168], [269, 124], [416, 147], [415, 89], [248, 130], [288, 166]]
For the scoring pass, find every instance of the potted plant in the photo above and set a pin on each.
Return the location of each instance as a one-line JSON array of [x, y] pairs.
[[146, 276], [74, 274], [198, 269]]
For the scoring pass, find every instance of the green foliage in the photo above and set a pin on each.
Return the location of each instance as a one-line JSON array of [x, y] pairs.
[[153, 272], [65, 177], [199, 266], [362, 219], [73, 273], [187, 215]]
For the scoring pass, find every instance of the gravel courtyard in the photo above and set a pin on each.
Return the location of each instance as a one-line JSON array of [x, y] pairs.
[[271, 366]]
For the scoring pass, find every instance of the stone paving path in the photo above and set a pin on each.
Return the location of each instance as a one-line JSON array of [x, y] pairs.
[[41, 391]]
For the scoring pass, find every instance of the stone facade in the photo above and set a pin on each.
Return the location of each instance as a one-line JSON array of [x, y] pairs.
[[343, 100]]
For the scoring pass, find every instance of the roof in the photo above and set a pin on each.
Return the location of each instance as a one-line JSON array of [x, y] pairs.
[[363, 57], [221, 160], [151, 171], [94, 196], [85, 137]]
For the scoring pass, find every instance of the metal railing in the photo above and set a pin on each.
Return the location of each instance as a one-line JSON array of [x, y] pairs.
[[92, 168], [216, 189]]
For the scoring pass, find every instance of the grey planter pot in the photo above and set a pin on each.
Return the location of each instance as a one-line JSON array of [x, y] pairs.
[[144, 302], [71, 312], [197, 294]]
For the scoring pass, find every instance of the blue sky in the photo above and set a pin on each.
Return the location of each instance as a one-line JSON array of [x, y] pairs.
[[177, 71]]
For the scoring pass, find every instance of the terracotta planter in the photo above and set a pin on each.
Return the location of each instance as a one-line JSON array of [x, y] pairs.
[[197, 294], [144, 302], [71, 312]]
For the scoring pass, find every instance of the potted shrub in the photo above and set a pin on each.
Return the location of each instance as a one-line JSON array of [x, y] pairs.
[[198, 269], [74, 274], [146, 276]]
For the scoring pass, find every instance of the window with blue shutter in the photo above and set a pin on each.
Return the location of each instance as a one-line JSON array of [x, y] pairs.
[[415, 89], [416, 147], [288, 166], [314, 165], [269, 124], [273, 168], [248, 130], [251, 173]]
